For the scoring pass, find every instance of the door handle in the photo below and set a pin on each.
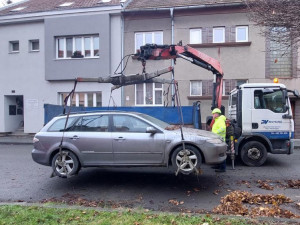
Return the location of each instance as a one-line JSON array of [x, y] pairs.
[[119, 139], [75, 137], [254, 125]]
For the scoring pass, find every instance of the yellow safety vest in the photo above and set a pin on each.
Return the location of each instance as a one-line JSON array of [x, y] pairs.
[[219, 126]]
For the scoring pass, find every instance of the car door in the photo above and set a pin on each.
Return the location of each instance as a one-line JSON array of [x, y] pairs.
[[92, 137], [268, 114], [132, 145]]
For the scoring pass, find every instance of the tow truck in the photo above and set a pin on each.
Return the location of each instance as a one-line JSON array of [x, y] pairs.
[[259, 128]]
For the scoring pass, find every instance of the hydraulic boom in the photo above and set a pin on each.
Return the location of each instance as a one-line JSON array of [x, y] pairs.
[[159, 52]]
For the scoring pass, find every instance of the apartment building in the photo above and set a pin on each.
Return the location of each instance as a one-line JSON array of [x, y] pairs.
[[220, 29], [44, 46]]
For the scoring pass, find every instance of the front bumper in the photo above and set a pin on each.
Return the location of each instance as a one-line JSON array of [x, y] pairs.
[[214, 153]]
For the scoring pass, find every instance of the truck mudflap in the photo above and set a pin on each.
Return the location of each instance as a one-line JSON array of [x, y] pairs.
[[292, 146]]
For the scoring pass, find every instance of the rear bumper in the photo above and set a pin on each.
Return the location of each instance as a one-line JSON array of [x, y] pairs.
[[40, 157]]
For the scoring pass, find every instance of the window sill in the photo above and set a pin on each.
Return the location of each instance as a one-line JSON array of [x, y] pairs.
[[206, 97], [34, 51], [226, 44], [16, 52], [149, 105], [58, 59]]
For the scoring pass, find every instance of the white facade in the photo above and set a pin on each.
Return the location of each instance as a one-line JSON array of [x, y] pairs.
[[23, 74]]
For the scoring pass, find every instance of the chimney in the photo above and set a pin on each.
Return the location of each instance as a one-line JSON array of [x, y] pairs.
[[8, 2]]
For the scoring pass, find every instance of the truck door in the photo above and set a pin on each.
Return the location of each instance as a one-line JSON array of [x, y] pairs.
[[267, 114]]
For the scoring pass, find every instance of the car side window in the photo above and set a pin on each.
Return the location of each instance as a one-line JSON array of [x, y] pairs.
[[98, 123], [59, 125], [124, 123]]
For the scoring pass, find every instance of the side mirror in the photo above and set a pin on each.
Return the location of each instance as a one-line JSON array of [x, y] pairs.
[[296, 93], [151, 130]]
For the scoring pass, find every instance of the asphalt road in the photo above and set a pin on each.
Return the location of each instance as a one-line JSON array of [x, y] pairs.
[[152, 188]]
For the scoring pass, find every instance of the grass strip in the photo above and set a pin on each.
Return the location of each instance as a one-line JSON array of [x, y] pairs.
[[15, 214]]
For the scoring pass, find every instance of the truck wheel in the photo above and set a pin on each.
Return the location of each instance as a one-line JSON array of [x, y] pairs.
[[186, 163], [65, 164], [254, 153]]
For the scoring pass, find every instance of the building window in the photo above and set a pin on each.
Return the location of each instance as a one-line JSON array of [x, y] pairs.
[[218, 34], [196, 88], [84, 99], [195, 36], [34, 45], [241, 34], [280, 56], [14, 46], [149, 94], [148, 38], [77, 47]]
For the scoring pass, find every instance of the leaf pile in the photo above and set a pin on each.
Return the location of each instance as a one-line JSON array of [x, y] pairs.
[[175, 202], [265, 184], [237, 202], [295, 184], [271, 184], [71, 199]]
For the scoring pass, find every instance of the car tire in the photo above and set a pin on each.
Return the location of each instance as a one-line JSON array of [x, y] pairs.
[[254, 153], [65, 164], [186, 168]]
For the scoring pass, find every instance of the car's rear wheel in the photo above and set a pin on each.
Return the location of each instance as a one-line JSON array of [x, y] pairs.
[[186, 161], [65, 164]]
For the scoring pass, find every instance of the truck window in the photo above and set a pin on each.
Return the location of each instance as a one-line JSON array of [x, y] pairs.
[[233, 99], [271, 101]]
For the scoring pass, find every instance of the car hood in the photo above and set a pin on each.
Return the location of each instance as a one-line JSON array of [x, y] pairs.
[[195, 132]]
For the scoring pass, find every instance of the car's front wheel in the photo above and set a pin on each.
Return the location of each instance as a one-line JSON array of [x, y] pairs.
[[186, 160], [65, 164]]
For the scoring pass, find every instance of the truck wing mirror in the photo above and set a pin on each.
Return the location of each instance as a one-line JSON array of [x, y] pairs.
[[296, 93]]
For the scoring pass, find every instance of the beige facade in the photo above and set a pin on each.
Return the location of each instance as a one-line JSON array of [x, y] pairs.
[[242, 61]]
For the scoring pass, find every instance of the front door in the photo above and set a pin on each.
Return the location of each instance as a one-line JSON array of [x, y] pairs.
[[132, 145]]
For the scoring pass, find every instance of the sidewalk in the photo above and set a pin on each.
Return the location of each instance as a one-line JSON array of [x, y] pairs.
[[17, 140]]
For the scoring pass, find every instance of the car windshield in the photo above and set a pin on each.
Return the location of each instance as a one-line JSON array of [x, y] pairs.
[[157, 122]]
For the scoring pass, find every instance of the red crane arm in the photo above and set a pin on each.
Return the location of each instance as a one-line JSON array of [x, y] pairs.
[[160, 52]]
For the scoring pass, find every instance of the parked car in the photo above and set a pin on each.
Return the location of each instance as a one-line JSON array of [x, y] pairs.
[[115, 138]]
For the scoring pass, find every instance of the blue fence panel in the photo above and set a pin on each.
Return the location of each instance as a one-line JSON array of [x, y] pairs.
[[168, 114]]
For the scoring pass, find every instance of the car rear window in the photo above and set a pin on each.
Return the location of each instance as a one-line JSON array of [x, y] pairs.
[[59, 125]]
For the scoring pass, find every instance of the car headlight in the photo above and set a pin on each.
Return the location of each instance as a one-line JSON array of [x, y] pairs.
[[214, 141]]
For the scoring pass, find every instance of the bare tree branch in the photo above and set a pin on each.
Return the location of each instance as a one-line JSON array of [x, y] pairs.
[[279, 20]]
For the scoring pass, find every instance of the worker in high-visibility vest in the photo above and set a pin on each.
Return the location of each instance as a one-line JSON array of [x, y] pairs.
[[219, 128]]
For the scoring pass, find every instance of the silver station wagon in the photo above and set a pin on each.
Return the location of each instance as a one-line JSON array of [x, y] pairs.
[[114, 138]]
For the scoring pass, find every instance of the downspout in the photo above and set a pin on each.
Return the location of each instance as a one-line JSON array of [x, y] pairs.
[[122, 53], [172, 42]]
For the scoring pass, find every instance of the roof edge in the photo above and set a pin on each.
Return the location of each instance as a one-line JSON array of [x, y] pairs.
[[186, 7], [34, 15]]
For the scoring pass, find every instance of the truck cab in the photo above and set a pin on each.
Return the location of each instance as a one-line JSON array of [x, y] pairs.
[[262, 114]]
